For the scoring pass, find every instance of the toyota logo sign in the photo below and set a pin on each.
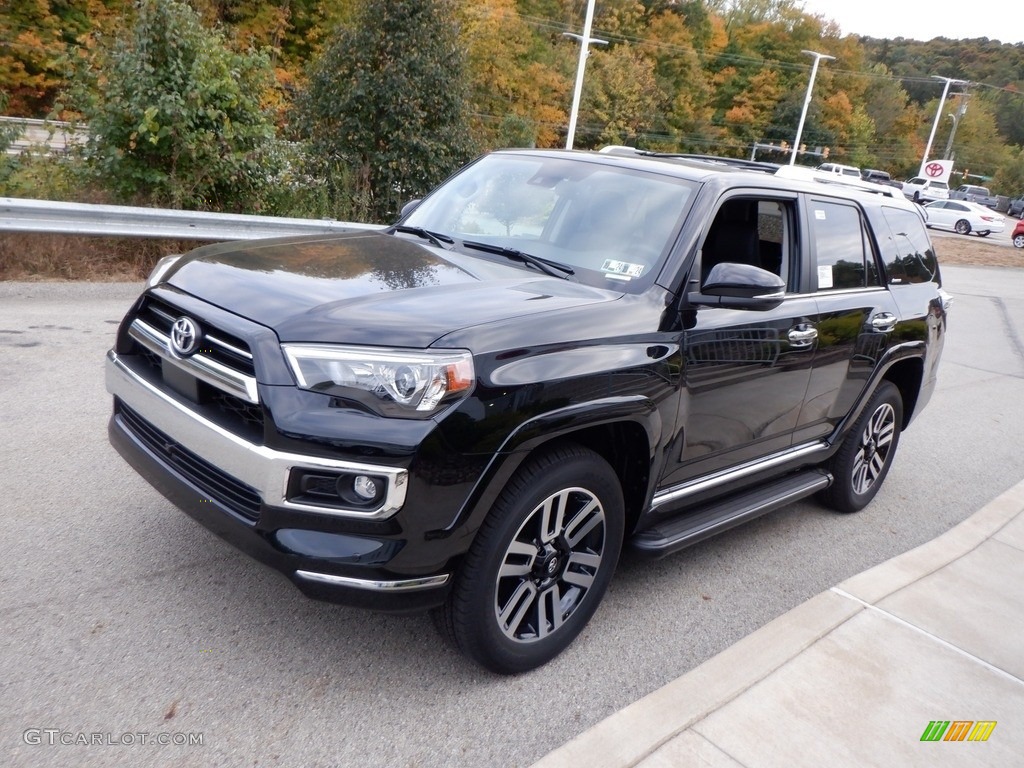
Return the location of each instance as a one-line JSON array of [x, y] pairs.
[[184, 336]]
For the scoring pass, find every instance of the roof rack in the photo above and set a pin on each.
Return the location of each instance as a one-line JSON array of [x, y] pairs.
[[812, 174], [783, 171], [735, 162]]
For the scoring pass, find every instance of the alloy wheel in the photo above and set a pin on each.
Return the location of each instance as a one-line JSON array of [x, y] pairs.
[[550, 565], [875, 444]]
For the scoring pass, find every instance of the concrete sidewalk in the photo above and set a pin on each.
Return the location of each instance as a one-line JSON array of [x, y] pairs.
[[854, 676]]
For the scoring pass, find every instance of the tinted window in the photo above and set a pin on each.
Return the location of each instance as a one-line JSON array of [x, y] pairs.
[[842, 256], [906, 252]]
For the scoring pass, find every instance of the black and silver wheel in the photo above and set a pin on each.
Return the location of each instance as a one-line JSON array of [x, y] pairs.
[[540, 564], [1018, 241], [962, 227], [863, 461]]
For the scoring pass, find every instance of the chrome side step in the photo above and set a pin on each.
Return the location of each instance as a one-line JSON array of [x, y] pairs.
[[804, 454], [699, 523]]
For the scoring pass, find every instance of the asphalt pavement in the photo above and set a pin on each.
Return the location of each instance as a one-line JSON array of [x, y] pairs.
[[123, 621]]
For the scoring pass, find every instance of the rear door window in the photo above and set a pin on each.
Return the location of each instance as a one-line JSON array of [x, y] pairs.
[[843, 258]]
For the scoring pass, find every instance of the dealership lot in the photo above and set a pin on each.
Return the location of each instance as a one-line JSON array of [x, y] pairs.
[[124, 617]]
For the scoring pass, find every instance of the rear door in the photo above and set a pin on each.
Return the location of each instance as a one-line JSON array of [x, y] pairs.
[[855, 314]]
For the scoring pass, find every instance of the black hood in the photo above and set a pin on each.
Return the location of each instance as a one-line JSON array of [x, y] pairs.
[[367, 288]]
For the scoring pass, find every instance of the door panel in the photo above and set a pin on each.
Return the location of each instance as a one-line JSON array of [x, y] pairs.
[[744, 379], [853, 333]]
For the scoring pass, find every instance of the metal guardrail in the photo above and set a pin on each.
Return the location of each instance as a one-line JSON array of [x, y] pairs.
[[45, 135], [47, 216]]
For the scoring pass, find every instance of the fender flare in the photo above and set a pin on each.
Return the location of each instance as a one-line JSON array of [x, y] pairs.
[[545, 428]]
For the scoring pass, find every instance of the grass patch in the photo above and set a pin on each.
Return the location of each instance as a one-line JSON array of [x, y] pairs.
[[38, 256]]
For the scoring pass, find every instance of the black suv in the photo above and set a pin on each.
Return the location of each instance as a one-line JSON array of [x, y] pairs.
[[553, 355]]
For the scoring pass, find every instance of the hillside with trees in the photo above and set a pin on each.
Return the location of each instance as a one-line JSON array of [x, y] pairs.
[[343, 108]]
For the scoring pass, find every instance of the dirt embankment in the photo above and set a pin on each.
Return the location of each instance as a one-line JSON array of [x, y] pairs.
[[975, 251]]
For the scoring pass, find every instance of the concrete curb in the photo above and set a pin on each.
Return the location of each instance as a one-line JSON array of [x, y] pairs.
[[635, 733]]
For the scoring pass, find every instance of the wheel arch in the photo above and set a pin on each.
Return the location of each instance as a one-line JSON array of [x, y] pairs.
[[623, 431], [908, 375]]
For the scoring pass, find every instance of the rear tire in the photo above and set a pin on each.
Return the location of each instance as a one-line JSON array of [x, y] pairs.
[[540, 563], [863, 461], [963, 227], [1018, 241]]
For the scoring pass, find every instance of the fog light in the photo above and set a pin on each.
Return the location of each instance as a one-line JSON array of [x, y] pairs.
[[365, 487]]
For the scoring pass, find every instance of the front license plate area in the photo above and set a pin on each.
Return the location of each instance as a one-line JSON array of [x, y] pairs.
[[185, 384]]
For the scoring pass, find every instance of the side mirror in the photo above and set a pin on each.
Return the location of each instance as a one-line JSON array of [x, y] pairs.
[[740, 286], [408, 208]]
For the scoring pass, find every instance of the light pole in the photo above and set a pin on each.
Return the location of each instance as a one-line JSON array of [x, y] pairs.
[[807, 100], [585, 41], [938, 114], [955, 117]]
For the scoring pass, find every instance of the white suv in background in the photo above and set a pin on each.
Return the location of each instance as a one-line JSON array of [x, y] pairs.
[[922, 190], [840, 170]]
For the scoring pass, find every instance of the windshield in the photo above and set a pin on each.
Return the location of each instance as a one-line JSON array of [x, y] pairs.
[[612, 226]]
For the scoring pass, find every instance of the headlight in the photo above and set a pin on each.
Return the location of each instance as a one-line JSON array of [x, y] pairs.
[[161, 269], [398, 382]]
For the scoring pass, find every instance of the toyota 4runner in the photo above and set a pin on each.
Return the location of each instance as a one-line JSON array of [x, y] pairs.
[[550, 357]]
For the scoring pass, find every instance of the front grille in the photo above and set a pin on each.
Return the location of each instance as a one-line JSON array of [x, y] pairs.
[[216, 400], [240, 498], [223, 347]]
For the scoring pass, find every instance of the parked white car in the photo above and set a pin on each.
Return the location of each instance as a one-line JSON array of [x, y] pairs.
[[922, 190], [963, 217]]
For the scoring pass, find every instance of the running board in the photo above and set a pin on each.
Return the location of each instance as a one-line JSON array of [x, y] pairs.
[[697, 524]]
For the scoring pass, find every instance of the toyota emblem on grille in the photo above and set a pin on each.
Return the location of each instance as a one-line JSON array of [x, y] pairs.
[[184, 336]]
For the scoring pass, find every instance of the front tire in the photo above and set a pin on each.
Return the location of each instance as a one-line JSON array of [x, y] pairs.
[[962, 227], [540, 563], [1018, 241], [863, 461]]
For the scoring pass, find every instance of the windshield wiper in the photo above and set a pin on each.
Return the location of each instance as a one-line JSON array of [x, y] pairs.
[[552, 268], [436, 238]]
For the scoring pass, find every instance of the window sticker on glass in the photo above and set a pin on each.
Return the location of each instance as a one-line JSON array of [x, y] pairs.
[[622, 269], [819, 214], [825, 276]]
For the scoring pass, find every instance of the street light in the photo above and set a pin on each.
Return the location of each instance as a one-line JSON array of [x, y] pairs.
[[938, 114], [955, 117], [807, 100], [585, 41]]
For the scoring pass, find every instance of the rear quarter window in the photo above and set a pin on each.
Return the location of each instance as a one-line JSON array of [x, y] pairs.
[[906, 250]]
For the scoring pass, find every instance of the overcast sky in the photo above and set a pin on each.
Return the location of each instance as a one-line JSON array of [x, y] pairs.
[[959, 19]]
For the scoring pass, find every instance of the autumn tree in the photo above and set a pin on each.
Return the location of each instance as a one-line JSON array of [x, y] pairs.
[[685, 114], [621, 98], [519, 90], [35, 35], [175, 114], [385, 108]]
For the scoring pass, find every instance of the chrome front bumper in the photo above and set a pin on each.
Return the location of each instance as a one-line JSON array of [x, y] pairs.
[[264, 469]]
